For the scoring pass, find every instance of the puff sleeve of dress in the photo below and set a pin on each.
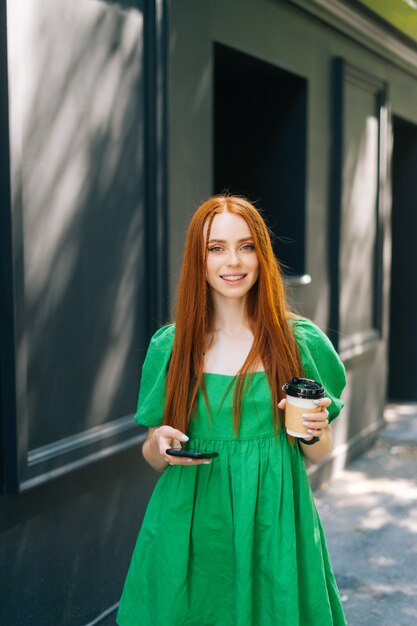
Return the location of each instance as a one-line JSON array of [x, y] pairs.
[[151, 399], [320, 361]]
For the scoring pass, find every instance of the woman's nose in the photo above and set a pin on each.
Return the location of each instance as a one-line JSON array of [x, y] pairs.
[[234, 258]]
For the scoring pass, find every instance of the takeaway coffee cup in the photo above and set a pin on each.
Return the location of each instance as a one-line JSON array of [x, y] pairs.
[[301, 393]]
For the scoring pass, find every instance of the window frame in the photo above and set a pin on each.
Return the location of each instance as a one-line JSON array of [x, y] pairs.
[[360, 342]]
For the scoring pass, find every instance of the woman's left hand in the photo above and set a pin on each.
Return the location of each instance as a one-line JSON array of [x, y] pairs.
[[315, 423]]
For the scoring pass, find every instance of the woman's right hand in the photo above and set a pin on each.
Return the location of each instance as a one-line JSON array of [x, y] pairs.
[[166, 437]]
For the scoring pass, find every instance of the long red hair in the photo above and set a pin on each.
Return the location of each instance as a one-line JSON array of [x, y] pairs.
[[266, 309]]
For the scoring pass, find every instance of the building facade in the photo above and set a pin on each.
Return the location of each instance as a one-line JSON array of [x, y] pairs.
[[117, 119]]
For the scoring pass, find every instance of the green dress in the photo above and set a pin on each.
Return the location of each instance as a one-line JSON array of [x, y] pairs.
[[237, 542]]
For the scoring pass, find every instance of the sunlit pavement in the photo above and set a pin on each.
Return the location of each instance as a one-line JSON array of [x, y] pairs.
[[369, 513]]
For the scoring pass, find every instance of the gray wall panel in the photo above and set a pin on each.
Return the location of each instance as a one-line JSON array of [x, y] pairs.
[[76, 79]]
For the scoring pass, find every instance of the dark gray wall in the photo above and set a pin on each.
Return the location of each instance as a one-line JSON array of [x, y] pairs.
[[65, 546], [83, 131]]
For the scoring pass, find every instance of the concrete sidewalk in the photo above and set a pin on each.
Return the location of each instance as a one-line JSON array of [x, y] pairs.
[[369, 514]]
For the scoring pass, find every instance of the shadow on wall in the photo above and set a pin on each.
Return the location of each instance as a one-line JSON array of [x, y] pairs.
[[77, 138]]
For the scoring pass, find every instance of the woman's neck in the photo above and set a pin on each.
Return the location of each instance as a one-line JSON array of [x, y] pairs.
[[230, 315]]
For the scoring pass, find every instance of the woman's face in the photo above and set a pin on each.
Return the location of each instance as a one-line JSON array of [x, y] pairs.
[[232, 263]]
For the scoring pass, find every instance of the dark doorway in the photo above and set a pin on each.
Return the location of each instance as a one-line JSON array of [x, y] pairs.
[[260, 144], [403, 329]]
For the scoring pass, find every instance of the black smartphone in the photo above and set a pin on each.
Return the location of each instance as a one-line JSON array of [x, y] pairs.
[[191, 454]]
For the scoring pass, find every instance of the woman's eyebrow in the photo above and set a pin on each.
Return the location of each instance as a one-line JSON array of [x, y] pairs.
[[238, 241]]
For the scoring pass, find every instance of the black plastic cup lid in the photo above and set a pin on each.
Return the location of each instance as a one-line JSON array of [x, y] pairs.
[[304, 388]]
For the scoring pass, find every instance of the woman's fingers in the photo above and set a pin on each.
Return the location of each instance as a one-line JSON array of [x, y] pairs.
[[320, 416], [316, 422], [182, 460], [169, 437], [172, 460], [172, 433], [323, 402]]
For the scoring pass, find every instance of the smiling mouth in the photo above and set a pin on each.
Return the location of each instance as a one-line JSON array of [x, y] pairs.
[[233, 278]]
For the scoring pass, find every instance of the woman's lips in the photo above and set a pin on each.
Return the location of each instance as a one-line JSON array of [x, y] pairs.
[[233, 279]]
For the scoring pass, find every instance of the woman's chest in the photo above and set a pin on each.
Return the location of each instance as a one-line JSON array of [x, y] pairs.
[[226, 355], [215, 417]]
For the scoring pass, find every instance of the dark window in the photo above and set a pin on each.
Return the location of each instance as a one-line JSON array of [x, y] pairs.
[[403, 297], [260, 145]]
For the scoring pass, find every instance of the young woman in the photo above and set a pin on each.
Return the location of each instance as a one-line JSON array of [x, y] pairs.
[[234, 540]]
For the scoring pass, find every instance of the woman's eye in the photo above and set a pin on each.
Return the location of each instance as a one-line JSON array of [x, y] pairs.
[[248, 247]]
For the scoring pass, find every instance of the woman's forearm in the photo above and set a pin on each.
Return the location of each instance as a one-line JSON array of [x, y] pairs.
[[319, 450]]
